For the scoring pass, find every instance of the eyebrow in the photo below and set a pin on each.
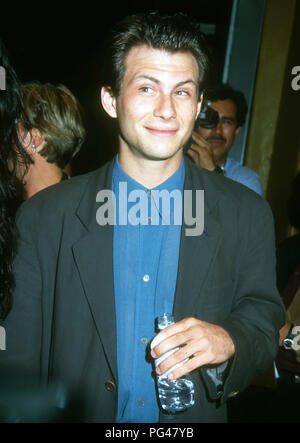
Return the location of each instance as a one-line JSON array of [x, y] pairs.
[[226, 117], [155, 80]]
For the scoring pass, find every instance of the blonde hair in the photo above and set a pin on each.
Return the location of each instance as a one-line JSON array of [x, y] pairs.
[[58, 115]]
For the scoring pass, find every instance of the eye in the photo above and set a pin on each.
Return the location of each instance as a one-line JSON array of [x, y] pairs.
[[227, 121], [182, 93], [146, 89]]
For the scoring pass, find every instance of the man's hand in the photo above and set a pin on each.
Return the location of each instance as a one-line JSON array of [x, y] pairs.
[[203, 343], [284, 332], [201, 152]]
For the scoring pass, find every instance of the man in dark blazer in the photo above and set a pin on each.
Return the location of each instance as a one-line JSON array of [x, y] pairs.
[[65, 325]]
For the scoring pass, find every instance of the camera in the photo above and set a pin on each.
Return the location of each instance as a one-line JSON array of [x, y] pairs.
[[208, 118]]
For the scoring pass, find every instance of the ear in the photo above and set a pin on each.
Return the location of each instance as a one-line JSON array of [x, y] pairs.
[[37, 140], [199, 104], [24, 136], [108, 101], [236, 132]]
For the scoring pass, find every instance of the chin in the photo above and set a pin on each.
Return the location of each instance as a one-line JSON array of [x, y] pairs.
[[163, 154], [157, 152], [219, 156]]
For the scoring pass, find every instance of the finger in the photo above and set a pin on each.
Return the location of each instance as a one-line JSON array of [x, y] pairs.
[[157, 339], [200, 140], [202, 157], [196, 148], [204, 152], [181, 356], [194, 155], [174, 341], [174, 335], [195, 362]]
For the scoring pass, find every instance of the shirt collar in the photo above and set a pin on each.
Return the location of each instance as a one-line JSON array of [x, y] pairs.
[[176, 181]]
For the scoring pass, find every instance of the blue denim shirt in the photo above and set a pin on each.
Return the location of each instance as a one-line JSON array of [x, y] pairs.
[[145, 262], [243, 175]]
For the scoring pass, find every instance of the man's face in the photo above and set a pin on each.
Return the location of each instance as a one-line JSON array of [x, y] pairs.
[[157, 105], [224, 134]]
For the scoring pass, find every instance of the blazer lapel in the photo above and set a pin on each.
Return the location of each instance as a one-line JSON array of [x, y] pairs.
[[93, 255], [196, 252]]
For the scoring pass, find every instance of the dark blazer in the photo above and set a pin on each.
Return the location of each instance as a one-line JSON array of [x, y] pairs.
[[62, 325]]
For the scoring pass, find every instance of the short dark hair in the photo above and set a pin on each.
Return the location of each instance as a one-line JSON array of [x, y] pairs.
[[224, 91], [173, 33]]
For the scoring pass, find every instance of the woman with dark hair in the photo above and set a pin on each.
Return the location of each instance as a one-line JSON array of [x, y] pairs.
[[20, 400], [11, 155]]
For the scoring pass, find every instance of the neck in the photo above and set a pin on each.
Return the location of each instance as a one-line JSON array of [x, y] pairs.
[[40, 175], [149, 173]]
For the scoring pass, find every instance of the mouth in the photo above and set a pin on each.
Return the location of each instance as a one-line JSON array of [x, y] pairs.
[[161, 132], [217, 141]]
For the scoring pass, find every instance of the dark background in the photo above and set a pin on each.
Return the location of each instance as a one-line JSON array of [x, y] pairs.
[[59, 44]]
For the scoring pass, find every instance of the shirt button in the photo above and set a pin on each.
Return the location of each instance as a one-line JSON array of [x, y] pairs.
[[149, 193], [144, 340], [146, 278], [141, 402], [149, 220]]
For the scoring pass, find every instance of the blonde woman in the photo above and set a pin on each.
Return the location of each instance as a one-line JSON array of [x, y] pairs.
[[56, 133]]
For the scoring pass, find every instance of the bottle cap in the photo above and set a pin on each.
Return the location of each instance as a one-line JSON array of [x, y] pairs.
[[164, 320]]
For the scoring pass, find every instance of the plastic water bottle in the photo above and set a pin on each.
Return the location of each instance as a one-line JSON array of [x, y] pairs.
[[174, 395]]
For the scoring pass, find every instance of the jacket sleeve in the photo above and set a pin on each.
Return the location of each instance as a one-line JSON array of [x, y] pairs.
[[257, 313]]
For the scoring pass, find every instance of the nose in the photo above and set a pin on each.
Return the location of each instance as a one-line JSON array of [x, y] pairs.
[[165, 108], [219, 128]]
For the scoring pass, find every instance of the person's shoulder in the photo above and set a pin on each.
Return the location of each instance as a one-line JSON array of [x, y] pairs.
[[235, 190], [244, 175], [235, 169], [232, 196], [63, 196], [62, 193], [222, 185]]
